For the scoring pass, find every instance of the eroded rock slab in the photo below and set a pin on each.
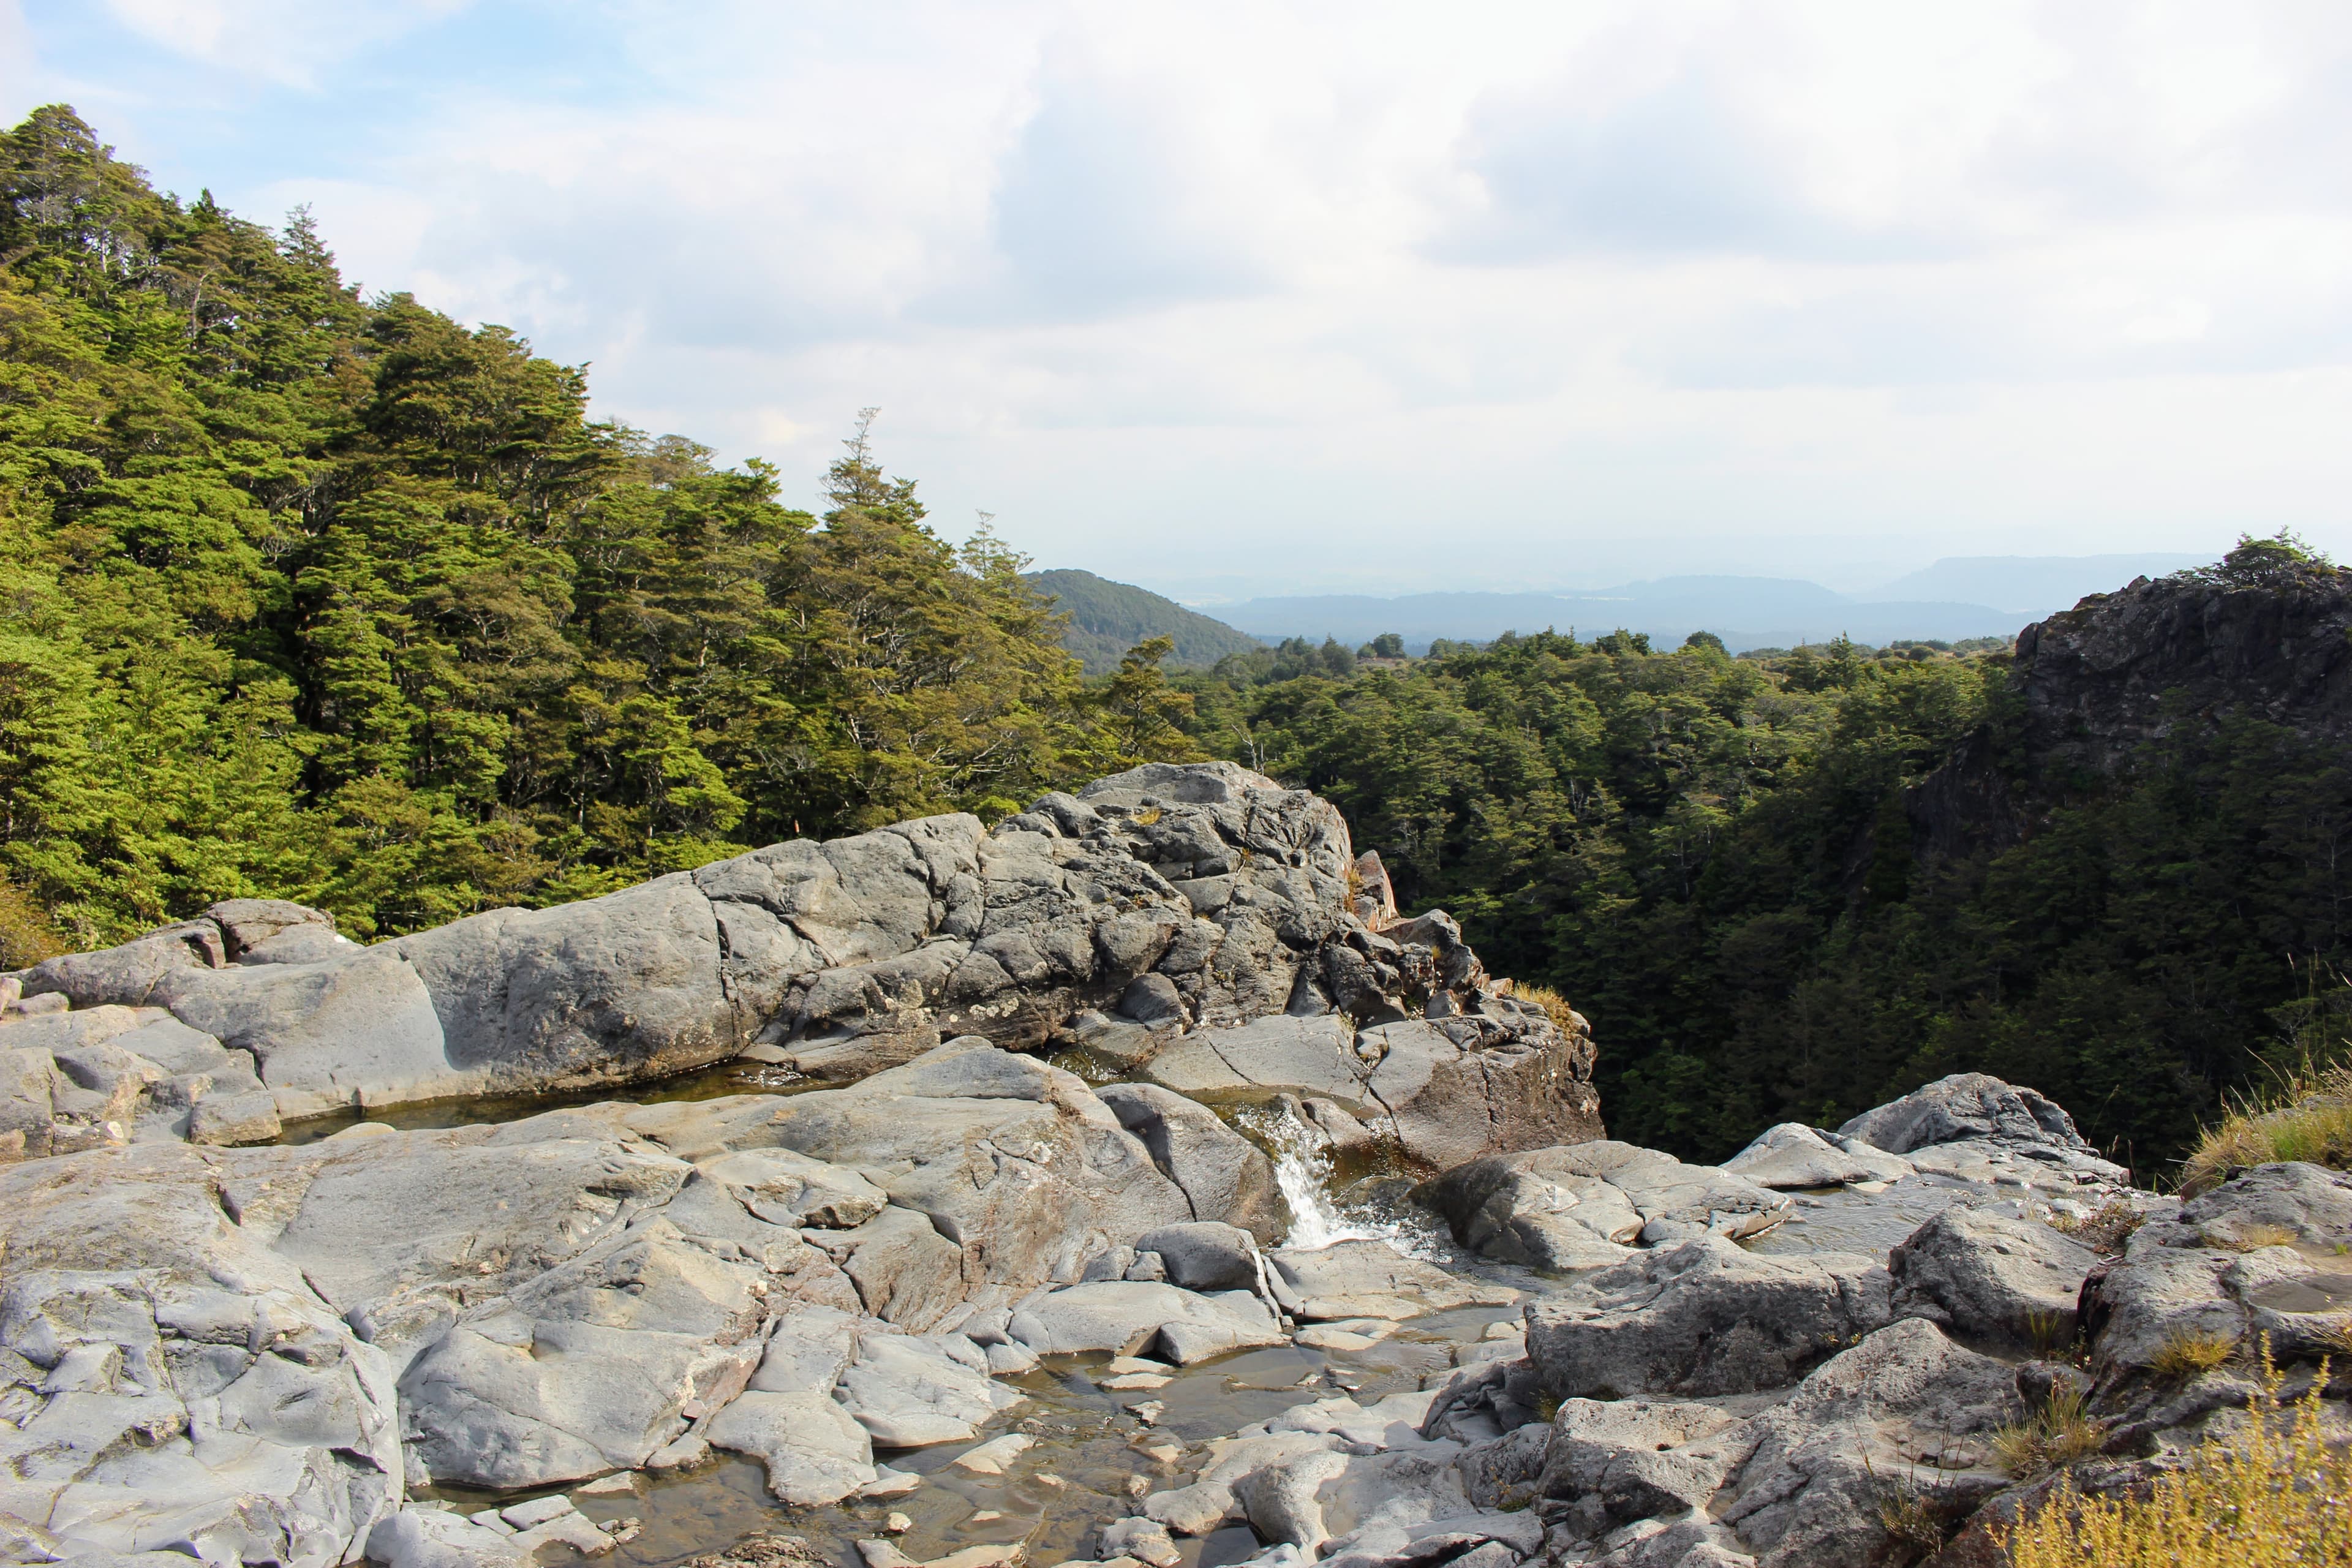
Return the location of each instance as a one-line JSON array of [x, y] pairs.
[[1701, 1318]]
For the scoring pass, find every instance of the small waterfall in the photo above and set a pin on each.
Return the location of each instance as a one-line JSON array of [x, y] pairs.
[[1304, 1172], [1302, 1168]]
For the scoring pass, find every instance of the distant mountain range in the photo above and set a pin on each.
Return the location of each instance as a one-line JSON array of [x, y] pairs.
[[1745, 612], [2031, 585], [1107, 618], [1956, 598]]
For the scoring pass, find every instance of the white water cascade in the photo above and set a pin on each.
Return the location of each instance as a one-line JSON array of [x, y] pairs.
[[1302, 1168]]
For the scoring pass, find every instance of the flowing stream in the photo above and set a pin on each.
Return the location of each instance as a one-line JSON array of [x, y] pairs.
[[1092, 1459]]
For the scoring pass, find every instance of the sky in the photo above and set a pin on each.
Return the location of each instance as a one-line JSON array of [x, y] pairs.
[[1287, 298]]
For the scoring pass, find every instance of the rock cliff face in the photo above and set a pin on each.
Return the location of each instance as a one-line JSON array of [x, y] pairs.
[[2109, 676], [2122, 671]]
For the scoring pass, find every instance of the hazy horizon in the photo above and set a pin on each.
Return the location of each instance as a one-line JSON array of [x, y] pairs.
[[1315, 298]]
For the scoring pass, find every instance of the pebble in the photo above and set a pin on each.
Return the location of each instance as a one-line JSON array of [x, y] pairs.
[[888, 1482], [990, 1458], [1149, 1412], [1126, 1364], [619, 1481], [896, 1524], [536, 1510], [1127, 1381], [988, 1516]]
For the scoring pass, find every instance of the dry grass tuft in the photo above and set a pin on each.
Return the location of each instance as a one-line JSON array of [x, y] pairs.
[[1914, 1519], [2105, 1231], [2061, 1431], [1554, 1004], [2273, 1495], [2192, 1353], [2050, 1331], [2313, 1122], [2250, 1238]]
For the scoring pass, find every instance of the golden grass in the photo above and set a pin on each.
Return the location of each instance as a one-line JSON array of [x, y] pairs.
[[2191, 1353], [2310, 1121], [2250, 1238], [2275, 1494], [1554, 1004], [2061, 1431]]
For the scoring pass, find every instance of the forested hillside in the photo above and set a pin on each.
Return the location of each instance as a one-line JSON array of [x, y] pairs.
[[1107, 618], [332, 598], [1717, 862]]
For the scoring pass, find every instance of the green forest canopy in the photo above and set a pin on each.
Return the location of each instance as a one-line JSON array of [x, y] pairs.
[[332, 599], [1711, 858]]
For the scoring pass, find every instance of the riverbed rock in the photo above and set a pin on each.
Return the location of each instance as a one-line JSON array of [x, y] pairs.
[[815, 1450], [1813, 1486], [1793, 1156], [1701, 1318], [436, 1538], [1366, 1279], [1222, 1175], [1586, 1205], [164, 1363], [1204, 1255], [1255, 1061], [1129, 1318], [910, 1393], [1616, 1461], [1983, 1274]]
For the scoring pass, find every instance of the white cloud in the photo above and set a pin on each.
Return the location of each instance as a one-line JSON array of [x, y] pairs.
[[1309, 286], [292, 42]]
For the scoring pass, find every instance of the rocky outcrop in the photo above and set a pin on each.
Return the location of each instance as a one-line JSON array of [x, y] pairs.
[[1702, 1318], [1982, 1274], [1588, 1206], [2100, 684], [2112, 674], [1151, 915], [264, 1353], [2177, 1324]]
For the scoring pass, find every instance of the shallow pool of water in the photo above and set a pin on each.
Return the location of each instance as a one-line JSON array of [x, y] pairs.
[[713, 1082], [1087, 1467]]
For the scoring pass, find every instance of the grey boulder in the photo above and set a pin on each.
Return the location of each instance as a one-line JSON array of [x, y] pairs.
[[1701, 1318], [1793, 1156], [1126, 1318], [1584, 1205], [2257, 1256], [1812, 1489], [1204, 1255], [1223, 1176], [1981, 1274]]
